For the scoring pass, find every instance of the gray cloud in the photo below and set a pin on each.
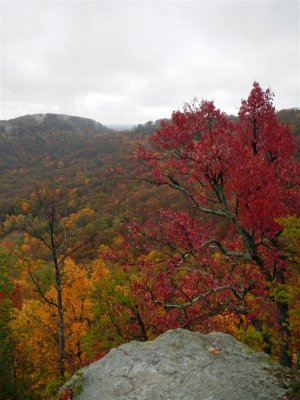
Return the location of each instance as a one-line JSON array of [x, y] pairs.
[[129, 62]]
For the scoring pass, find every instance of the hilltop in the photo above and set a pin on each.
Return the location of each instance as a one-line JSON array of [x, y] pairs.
[[46, 123]]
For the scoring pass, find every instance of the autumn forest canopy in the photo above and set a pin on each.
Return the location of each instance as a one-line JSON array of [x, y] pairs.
[[108, 236]]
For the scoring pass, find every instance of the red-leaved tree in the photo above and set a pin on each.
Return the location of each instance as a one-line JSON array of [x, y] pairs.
[[224, 252]]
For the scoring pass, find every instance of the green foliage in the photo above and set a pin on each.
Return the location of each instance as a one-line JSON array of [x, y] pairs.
[[291, 236], [52, 388], [78, 382], [280, 294], [6, 365], [252, 337]]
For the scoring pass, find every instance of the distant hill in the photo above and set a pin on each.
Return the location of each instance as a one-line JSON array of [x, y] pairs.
[[291, 117], [31, 139], [40, 147], [45, 123], [149, 127]]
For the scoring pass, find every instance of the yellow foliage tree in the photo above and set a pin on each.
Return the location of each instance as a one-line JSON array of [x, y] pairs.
[[35, 328]]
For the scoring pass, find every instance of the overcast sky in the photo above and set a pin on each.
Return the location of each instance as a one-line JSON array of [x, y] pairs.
[[130, 62]]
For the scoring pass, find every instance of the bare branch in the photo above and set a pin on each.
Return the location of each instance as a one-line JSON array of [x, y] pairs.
[[196, 299], [72, 251], [183, 258], [39, 290], [34, 233], [175, 185], [229, 253]]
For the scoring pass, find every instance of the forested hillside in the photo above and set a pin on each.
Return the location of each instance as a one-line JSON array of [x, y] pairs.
[[110, 236]]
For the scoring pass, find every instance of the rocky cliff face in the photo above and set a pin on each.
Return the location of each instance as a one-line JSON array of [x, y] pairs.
[[181, 365]]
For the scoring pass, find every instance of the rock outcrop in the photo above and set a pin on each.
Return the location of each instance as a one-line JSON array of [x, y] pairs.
[[182, 365]]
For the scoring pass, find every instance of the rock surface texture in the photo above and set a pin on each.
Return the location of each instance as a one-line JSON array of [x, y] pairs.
[[182, 365]]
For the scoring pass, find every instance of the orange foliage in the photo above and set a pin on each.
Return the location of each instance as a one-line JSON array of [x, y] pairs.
[[35, 327]]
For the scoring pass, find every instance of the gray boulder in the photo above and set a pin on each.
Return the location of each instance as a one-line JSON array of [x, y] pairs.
[[182, 365]]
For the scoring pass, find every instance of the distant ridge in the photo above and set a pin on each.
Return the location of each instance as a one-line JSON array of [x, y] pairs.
[[44, 123]]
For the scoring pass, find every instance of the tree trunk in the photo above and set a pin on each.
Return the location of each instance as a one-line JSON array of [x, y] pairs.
[[141, 325], [285, 358], [284, 335], [258, 325], [61, 326], [298, 359]]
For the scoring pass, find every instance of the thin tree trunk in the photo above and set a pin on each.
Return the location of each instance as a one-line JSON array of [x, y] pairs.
[[61, 327], [285, 358], [284, 335], [141, 324], [298, 359], [58, 284]]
